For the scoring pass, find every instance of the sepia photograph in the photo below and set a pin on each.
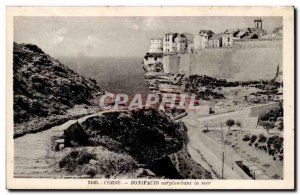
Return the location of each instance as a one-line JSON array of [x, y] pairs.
[[150, 98]]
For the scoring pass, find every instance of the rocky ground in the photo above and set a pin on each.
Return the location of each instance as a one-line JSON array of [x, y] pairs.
[[47, 92], [220, 94], [44, 87]]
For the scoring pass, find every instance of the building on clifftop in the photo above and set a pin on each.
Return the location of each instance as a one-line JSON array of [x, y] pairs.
[[189, 42], [201, 39], [169, 45], [156, 45], [227, 40], [181, 43], [215, 41]]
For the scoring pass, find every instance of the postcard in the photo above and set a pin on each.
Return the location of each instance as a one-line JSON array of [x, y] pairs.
[[150, 98]]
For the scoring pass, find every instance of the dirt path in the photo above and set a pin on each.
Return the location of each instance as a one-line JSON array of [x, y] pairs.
[[33, 156]]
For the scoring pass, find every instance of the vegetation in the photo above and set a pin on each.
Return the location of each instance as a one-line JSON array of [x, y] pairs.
[[229, 123], [253, 138], [267, 125], [272, 145], [75, 158], [272, 119], [86, 162], [239, 125], [246, 138]]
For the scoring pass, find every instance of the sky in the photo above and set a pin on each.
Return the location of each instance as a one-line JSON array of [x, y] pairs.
[[117, 36]]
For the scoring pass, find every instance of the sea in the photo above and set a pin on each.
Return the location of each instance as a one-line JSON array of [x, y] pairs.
[[113, 74]]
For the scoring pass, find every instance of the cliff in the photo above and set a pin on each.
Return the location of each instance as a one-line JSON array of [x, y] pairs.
[[44, 87], [204, 87]]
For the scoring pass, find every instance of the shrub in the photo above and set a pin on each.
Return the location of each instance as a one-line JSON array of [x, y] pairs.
[[267, 125], [34, 48], [68, 163], [74, 153], [271, 152], [260, 147], [229, 123], [246, 138], [76, 157], [253, 138], [262, 138], [239, 124], [85, 157], [90, 170], [277, 147]]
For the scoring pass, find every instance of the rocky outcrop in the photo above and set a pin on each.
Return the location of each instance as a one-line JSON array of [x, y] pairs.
[[151, 139], [203, 86], [158, 81], [43, 86]]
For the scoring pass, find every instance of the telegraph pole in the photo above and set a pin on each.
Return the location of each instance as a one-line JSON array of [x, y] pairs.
[[223, 153]]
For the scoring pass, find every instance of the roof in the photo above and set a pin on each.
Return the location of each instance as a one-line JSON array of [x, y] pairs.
[[253, 34], [241, 33], [170, 33], [257, 20], [227, 34], [252, 29]]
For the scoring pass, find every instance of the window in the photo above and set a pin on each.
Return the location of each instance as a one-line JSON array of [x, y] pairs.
[[228, 39]]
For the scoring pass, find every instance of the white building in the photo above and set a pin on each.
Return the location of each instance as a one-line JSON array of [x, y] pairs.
[[190, 42], [156, 45], [201, 39], [227, 40], [181, 43], [169, 45]]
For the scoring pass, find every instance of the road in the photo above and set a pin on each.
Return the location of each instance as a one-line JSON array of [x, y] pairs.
[[208, 152]]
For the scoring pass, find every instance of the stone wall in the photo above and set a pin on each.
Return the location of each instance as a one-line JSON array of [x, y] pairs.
[[171, 63], [261, 109], [247, 60]]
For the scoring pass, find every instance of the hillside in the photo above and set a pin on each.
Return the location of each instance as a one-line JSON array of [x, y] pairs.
[[141, 144], [43, 86]]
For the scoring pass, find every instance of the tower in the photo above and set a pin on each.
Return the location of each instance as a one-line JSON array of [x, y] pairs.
[[258, 23]]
